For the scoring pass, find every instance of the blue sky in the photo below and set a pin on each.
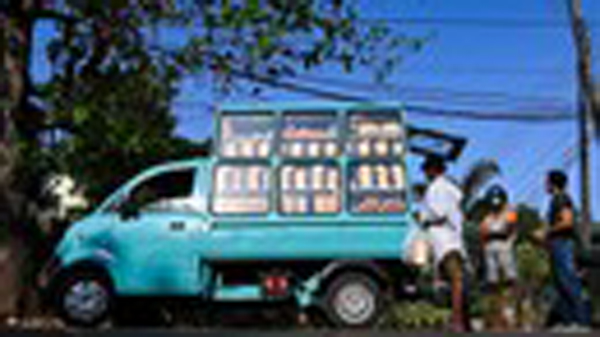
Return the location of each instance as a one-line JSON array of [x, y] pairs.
[[473, 66]]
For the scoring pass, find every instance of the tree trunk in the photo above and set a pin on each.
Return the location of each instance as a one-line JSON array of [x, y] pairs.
[[15, 49]]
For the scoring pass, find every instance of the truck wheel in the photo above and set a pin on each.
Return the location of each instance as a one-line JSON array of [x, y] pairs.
[[353, 300], [84, 299]]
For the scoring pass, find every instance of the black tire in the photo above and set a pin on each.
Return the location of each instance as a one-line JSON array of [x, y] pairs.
[[361, 288], [76, 285]]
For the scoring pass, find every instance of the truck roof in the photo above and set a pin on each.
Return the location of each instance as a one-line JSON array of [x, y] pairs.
[[181, 162]]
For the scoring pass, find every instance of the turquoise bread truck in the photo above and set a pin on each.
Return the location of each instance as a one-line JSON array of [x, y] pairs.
[[302, 202]]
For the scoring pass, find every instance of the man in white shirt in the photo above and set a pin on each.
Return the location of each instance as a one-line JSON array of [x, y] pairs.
[[442, 217]]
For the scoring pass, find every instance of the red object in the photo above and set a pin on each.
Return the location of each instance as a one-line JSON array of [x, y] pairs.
[[276, 285]]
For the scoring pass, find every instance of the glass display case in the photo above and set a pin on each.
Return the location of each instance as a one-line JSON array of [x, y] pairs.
[[241, 189], [316, 156], [309, 135], [375, 134], [377, 188], [246, 136], [312, 189]]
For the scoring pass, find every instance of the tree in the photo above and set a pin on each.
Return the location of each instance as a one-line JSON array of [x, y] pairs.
[[477, 175], [128, 126], [105, 41]]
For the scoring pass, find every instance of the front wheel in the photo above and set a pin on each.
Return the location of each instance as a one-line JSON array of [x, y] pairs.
[[84, 299], [353, 300]]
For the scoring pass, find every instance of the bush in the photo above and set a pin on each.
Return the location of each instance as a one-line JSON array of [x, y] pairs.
[[533, 264], [420, 315]]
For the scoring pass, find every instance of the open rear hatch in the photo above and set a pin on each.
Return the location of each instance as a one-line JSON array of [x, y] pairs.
[[425, 142]]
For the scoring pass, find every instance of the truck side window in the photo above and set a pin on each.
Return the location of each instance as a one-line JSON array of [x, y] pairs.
[[377, 188], [167, 191], [241, 189], [310, 189]]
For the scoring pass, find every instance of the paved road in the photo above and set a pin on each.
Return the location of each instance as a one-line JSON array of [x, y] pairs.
[[250, 332]]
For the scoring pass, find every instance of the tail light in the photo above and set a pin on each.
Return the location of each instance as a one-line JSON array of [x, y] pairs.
[[276, 285]]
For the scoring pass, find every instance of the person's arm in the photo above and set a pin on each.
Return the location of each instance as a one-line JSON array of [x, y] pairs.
[[512, 220], [484, 230], [428, 217], [564, 221], [539, 236]]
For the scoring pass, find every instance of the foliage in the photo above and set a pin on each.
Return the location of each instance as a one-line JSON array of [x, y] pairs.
[[417, 315], [477, 175], [532, 259], [234, 40], [533, 265], [530, 222], [126, 126]]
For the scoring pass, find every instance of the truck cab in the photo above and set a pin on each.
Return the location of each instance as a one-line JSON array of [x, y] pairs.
[[308, 203]]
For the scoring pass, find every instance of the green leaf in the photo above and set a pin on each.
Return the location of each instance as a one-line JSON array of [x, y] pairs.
[[80, 115], [253, 6], [264, 42]]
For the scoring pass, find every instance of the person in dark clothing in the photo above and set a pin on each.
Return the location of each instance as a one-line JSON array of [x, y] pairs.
[[561, 239]]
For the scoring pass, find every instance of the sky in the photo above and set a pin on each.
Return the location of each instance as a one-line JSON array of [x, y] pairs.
[[484, 56]]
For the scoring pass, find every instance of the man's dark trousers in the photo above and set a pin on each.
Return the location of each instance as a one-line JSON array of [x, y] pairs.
[[568, 284]]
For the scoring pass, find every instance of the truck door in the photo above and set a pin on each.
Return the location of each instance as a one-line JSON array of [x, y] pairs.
[[154, 237]]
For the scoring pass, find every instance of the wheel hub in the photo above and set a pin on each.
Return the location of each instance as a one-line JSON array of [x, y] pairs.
[[86, 300], [354, 304]]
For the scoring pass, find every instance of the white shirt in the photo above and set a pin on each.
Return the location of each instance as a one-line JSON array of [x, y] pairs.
[[442, 200], [498, 224]]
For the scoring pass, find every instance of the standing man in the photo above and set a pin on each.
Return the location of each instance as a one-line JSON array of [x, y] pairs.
[[443, 218], [561, 239]]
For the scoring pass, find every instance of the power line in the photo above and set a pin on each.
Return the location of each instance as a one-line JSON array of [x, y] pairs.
[[417, 109], [488, 70], [489, 115], [565, 165], [469, 22], [443, 112], [436, 92], [411, 108], [539, 157]]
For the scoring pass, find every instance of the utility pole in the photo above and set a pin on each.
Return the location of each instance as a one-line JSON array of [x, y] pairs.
[[585, 94]]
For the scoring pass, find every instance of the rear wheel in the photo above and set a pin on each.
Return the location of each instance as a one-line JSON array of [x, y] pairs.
[[353, 300], [84, 299]]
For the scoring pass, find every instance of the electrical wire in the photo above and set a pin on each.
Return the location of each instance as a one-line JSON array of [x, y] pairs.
[[419, 109], [478, 22], [530, 175], [438, 93]]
